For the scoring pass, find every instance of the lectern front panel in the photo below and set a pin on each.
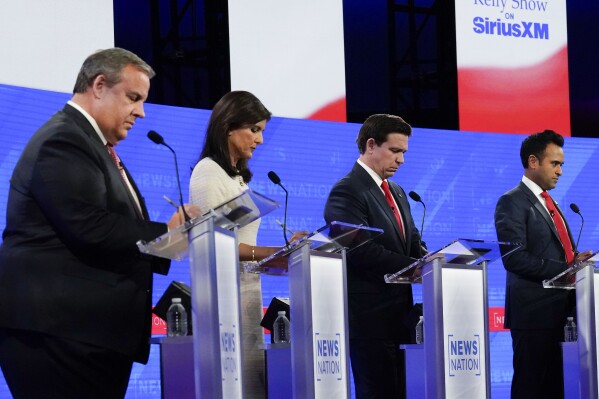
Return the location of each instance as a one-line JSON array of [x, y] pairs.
[[464, 332]]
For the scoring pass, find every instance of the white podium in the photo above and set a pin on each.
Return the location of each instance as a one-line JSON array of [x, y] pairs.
[[210, 241], [584, 277], [455, 309], [318, 307]]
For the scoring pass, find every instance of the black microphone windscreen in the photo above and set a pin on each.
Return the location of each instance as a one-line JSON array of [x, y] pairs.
[[574, 207], [155, 137], [415, 196], [274, 177]]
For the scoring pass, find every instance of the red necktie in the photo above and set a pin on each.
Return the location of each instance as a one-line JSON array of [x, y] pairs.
[[560, 226], [389, 198], [117, 162]]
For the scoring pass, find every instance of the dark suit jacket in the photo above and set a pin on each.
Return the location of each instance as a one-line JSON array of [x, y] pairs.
[[376, 310], [69, 265], [521, 218]]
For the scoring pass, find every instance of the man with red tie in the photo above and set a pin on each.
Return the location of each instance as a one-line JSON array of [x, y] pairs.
[[527, 214], [377, 311]]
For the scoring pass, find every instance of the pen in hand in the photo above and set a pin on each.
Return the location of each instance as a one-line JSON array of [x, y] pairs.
[[283, 226], [170, 201]]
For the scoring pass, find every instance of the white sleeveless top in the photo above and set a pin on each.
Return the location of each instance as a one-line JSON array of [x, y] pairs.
[[210, 186]]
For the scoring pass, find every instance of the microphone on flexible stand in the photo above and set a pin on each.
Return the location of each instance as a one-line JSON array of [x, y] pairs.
[[277, 180], [576, 209], [417, 198], [158, 139]]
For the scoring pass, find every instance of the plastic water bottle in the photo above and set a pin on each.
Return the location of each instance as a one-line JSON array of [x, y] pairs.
[[281, 329], [176, 319], [570, 333], [420, 331]]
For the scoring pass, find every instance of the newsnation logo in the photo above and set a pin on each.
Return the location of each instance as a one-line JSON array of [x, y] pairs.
[[228, 354], [463, 354], [328, 357]]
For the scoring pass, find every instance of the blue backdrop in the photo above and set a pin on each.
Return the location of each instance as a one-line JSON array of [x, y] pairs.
[[459, 175]]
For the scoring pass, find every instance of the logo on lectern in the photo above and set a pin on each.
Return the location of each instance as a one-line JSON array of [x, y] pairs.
[[463, 353], [328, 356], [228, 353]]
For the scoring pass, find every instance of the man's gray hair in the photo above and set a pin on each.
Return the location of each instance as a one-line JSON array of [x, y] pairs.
[[110, 63]]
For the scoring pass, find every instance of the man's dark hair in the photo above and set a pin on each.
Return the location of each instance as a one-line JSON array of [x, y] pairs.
[[535, 144], [235, 110], [378, 126]]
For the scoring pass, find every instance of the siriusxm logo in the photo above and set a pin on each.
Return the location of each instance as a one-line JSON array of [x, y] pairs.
[[463, 354], [524, 30], [525, 5], [328, 356]]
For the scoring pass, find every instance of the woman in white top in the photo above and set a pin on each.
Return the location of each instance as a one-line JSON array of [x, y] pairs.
[[234, 131]]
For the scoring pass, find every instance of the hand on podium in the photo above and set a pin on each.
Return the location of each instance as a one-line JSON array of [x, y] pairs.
[[426, 259], [298, 235], [280, 262], [433, 256], [580, 256], [178, 217]]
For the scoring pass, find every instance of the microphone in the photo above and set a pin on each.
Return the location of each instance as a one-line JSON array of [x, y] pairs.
[[576, 209], [158, 139], [414, 195], [277, 180]]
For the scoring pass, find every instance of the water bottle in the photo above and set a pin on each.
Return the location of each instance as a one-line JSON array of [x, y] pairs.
[[570, 333], [281, 329], [420, 331], [176, 319]]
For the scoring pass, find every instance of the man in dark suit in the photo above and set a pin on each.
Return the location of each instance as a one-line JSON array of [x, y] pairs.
[[377, 311], [75, 293], [536, 316]]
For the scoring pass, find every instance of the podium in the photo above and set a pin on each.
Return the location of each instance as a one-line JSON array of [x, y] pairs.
[[455, 308], [318, 306], [584, 277], [210, 241]]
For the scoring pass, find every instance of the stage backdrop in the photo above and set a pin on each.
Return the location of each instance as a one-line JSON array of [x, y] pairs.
[[290, 54], [512, 61], [34, 35], [459, 176]]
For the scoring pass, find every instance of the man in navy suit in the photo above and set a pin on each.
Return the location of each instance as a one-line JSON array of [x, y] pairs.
[[378, 311], [75, 293], [536, 315]]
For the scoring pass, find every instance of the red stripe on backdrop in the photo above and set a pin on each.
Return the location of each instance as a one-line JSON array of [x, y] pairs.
[[496, 318], [519, 100], [334, 111], [158, 325]]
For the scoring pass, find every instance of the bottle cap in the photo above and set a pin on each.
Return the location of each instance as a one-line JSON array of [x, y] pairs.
[[281, 313], [570, 318], [176, 300]]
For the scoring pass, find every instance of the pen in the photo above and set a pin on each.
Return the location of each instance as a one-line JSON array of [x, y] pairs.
[[170, 201], [283, 226]]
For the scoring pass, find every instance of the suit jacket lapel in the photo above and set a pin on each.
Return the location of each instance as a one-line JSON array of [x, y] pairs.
[[384, 205], [565, 222], [88, 129], [140, 211], [381, 201], [540, 208], [399, 200]]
